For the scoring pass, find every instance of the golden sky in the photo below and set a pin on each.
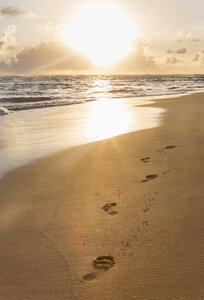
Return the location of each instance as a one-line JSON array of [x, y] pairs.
[[89, 37]]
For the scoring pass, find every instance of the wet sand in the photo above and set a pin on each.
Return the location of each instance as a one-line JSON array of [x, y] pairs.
[[117, 219]]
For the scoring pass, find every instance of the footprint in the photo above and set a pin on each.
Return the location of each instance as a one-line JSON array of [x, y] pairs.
[[104, 262], [145, 209], [108, 206], [145, 160], [113, 213], [145, 223], [90, 276], [169, 147], [101, 263], [149, 177], [152, 176]]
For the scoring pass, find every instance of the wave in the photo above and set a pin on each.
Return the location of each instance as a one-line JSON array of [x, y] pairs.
[[45, 105], [25, 99], [124, 90], [173, 87]]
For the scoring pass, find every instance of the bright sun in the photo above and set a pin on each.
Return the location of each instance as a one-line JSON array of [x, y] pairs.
[[101, 32]]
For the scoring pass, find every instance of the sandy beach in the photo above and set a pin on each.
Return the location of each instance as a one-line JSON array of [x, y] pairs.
[[59, 242]]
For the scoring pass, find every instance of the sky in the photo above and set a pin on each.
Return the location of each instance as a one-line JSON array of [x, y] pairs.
[[91, 37]]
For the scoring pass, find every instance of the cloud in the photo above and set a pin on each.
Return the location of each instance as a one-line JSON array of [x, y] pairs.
[[202, 56], [138, 60], [45, 57], [199, 57], [179, 51], [52, 30], [173, 60], [50, 26], [192, 38], [8, 11], [181, 36], [195, 40], [7, 39]]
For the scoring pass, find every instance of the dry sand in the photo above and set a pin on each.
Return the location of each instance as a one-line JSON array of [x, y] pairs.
[[52, 225]]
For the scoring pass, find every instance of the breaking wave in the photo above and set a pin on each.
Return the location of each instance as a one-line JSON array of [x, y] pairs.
[[4, 111]]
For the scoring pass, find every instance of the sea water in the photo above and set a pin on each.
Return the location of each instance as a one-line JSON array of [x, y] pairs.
[[44, 119], [21, 93]]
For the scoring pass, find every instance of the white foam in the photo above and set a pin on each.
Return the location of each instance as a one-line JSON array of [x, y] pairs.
[[4, 111]]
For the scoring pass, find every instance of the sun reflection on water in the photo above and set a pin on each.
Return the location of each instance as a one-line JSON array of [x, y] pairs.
[[100, 88]]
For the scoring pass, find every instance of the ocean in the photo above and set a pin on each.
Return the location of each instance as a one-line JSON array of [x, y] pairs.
[[22, 93], [44, 119]]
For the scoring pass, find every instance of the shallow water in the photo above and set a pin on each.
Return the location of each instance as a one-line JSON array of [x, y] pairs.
[[28, 135]]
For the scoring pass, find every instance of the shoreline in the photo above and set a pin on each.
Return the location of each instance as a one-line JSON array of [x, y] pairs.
[[24, 150], [52, 226], [27, 137]]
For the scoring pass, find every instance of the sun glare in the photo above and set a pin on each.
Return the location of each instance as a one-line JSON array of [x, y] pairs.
[[102, 32]]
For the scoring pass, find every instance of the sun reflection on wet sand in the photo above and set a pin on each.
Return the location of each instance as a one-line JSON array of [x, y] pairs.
[[106, 119]]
